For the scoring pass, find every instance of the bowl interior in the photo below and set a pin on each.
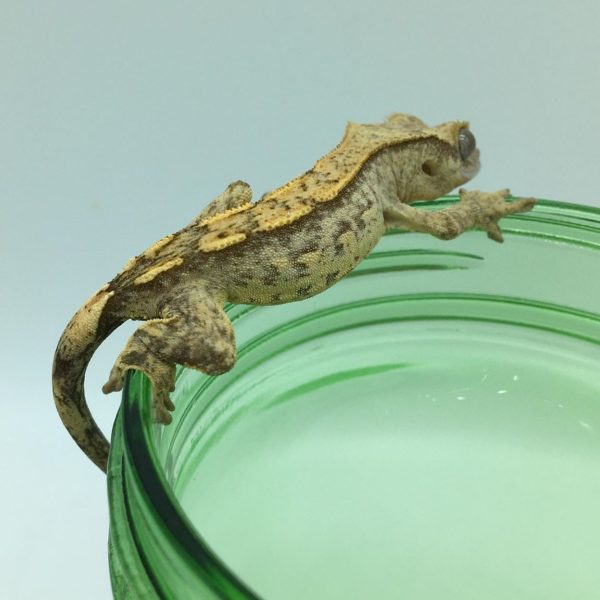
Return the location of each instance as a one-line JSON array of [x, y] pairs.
[[428, 427]]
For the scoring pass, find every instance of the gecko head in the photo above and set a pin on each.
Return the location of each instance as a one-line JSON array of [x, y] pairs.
[[437, 160]]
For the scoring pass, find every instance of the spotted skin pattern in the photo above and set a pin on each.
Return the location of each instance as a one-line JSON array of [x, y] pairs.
[[295, 242]]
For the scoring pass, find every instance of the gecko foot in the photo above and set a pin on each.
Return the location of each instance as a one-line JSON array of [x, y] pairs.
[[194, 332], [487, 208], [160, 373]]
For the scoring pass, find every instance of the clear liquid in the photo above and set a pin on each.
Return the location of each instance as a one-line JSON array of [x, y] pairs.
[[425, 459]]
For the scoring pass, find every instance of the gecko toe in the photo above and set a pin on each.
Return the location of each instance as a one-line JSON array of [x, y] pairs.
[[163, 382], [115, 381], [523, 204], [495, 233], [162, 407]]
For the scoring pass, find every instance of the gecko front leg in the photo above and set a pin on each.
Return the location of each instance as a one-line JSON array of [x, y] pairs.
[[477, 209], [193, 330]]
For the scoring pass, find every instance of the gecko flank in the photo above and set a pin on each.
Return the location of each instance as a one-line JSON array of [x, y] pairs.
[[296, 241]]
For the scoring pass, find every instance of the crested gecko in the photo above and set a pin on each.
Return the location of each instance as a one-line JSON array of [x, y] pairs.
[[294, 242]]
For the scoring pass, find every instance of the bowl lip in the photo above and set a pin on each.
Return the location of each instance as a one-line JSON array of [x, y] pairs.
[[138, 446]]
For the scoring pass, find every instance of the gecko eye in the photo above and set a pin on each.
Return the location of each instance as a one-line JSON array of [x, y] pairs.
[[466, 143]]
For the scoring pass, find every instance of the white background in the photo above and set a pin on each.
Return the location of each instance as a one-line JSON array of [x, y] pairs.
[[120, 120]]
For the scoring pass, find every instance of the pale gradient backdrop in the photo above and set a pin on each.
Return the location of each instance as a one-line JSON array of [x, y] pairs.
[[121, 119]]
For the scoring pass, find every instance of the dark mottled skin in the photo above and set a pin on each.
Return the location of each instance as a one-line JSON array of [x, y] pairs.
[[292, 244]]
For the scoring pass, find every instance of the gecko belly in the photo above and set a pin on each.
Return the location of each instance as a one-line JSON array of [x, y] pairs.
[[308, 265]]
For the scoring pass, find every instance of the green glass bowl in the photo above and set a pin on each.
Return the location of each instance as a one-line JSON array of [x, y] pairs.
[[427, 428]]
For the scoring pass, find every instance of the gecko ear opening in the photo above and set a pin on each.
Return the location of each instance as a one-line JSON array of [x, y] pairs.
[[429, 168]]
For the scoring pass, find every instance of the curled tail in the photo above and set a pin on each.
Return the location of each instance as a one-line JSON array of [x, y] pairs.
[[88, 328]]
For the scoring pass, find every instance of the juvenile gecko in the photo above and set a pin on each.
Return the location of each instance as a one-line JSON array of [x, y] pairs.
[[295, 242]]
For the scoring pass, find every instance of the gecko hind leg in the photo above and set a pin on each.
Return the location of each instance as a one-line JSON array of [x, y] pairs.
[[194, 332]]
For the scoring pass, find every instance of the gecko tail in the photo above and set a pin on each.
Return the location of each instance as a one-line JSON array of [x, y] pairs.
[[88, 328]]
